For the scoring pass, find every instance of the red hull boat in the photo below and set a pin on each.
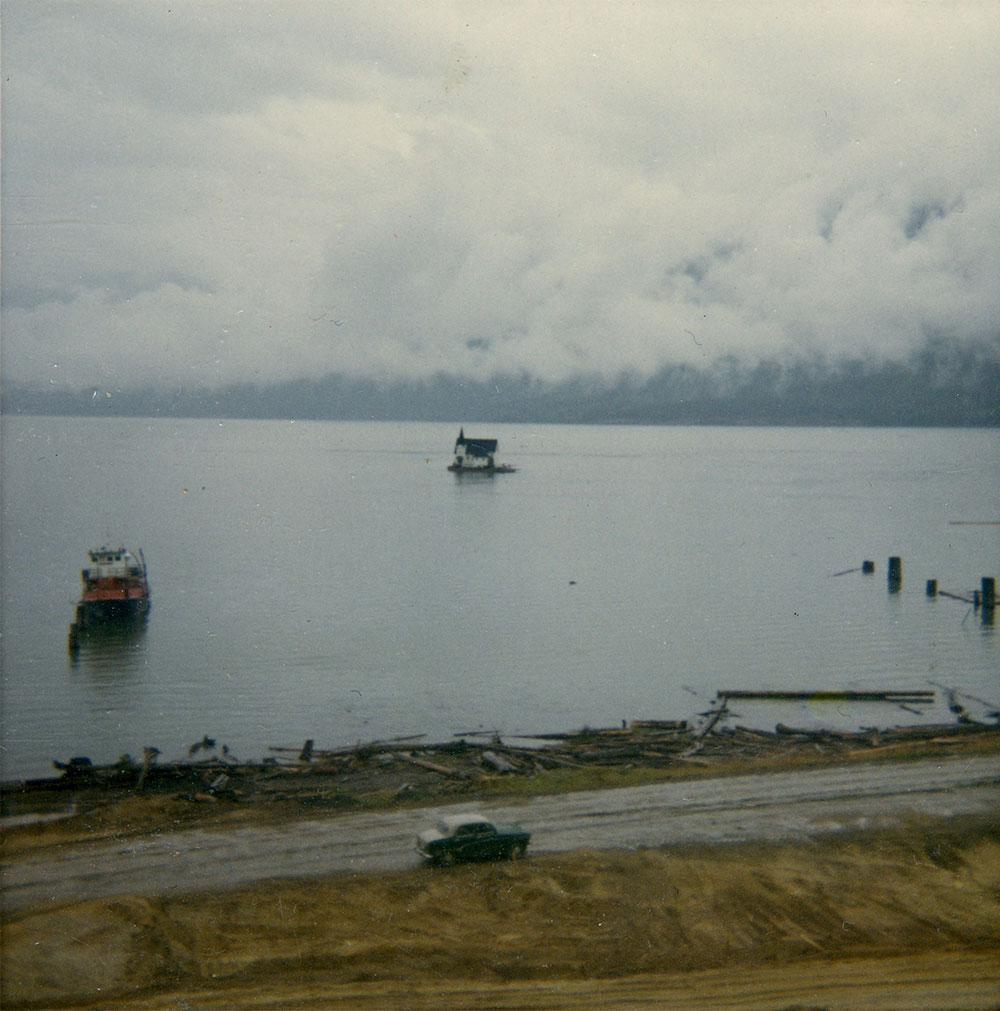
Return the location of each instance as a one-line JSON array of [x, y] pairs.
[[115, 588]]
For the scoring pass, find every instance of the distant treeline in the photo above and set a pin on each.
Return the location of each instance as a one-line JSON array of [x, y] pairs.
[[943, 383]]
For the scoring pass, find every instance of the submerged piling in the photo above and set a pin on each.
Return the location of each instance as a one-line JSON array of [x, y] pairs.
[[867, 567], [895, 577], [989, 592], [931, 587]]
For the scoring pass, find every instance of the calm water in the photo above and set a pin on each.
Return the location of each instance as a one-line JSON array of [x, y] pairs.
[[333, 581]]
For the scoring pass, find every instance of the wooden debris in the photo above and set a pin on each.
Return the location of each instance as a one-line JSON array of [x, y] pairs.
[[498, 762], [546, 758], [205, 744], [901, 695], [660, 725], [713, 719], [433, 766], [400, 767], [148, 757]]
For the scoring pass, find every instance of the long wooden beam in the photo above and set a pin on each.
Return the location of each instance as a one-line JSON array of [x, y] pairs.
[[909, 695]]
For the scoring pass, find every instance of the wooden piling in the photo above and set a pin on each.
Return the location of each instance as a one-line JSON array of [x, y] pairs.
[[931, 587], [867, 567], [895, 577], [989, 592]]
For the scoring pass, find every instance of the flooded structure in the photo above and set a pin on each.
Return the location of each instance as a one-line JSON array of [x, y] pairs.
[[476, 456]]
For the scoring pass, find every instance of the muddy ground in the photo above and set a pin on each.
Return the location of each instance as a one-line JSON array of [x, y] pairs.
[[907, 918]]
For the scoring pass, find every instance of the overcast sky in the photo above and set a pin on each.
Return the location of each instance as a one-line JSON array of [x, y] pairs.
[[202, 193]]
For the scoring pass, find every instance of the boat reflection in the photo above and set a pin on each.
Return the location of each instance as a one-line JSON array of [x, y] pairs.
[[116, 645]]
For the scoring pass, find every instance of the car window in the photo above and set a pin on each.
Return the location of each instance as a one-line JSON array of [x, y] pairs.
[[472, 828]]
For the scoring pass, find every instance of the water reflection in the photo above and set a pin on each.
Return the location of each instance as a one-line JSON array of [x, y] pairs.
[[116, 647]]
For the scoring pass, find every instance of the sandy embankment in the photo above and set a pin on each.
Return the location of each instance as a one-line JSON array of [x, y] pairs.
[[908, 918]]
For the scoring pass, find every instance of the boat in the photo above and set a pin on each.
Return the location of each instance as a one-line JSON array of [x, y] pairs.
[[477, 456], [115, 589]]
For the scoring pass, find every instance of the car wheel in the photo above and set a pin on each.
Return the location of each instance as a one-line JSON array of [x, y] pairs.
[[446, 859], [517, 853]]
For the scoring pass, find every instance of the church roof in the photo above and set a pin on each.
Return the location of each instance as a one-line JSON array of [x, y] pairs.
[[475, 447]]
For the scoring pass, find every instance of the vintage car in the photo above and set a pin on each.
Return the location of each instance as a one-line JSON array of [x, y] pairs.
[[471, 837]]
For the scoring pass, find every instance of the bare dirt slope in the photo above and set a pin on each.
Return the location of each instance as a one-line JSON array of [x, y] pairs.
[[904, 918]]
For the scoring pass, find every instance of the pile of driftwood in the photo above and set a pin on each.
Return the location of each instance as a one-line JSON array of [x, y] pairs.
[[645, 743], [413, 766]]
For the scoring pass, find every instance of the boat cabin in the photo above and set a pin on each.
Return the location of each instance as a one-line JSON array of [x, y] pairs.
[[112, 563]]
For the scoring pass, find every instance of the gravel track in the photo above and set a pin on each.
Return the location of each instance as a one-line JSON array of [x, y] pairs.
[[765, 807]]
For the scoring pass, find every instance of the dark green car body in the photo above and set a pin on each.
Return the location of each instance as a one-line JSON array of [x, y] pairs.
[[471, 837]]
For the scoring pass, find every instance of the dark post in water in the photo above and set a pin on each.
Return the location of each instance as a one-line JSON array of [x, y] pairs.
[[931, 587], [989, 593], [895, 573], [867, 567]]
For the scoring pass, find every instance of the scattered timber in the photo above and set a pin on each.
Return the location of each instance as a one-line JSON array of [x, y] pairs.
[[713, 719], [647, 725], [955, 693], [900, 695], [442, 770], [498, 762], [416, 771]]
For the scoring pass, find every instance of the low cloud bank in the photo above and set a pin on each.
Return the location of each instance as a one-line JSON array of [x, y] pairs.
[[943, 383]]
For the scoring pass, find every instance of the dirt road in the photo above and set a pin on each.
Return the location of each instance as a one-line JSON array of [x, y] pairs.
[[772, 807]]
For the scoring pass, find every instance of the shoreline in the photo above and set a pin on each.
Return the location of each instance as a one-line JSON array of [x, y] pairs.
[[900, 915], [212, 787]]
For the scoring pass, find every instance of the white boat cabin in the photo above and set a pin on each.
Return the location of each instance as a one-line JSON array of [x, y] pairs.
[[113, 563]]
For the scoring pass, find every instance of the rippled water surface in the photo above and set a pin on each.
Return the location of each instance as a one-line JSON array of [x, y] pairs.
[[333, 581]]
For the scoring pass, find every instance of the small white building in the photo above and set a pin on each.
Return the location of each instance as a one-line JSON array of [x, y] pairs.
[[473, 454]]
